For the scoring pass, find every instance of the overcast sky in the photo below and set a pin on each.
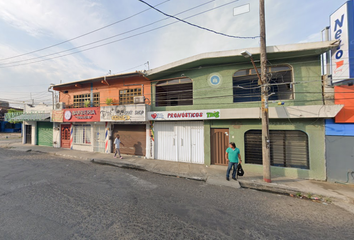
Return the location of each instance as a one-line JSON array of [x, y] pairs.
[[31, 25]]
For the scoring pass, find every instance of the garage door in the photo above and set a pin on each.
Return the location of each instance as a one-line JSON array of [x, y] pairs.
[[133, 136], [45, 133], [179, 141]]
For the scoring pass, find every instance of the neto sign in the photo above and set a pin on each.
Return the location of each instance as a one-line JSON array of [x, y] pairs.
[[342, 30]]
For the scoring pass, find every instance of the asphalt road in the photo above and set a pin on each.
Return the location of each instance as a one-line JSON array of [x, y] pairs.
[[46, 197]]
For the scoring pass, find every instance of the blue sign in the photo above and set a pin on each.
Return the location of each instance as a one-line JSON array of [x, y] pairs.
[[215, 80]]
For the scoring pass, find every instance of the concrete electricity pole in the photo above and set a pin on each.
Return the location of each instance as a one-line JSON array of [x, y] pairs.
[[264, 89]]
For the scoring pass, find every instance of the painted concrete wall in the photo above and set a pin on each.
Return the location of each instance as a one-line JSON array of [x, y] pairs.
[[56, 135], [316, 140], [307, 87], [345, 95], [340, 158], [111, 91]]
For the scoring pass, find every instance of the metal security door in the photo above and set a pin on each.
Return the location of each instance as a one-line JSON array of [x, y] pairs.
[[65, 136], [99, 138], [29, 134], [197, 143], [184, 143], [45, 134], [165, 141], [219, 142]]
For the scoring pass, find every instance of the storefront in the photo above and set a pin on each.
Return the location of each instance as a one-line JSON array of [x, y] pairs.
[[45, 134], [81, 122], [179, 135], [129, 121]]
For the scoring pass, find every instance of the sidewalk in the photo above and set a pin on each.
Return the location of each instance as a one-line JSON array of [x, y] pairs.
[[339, 194]]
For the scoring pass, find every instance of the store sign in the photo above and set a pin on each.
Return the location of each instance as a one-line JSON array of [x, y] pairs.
[[57, 116], [185, 115], [91, 114], [124, 113], [342, 23]]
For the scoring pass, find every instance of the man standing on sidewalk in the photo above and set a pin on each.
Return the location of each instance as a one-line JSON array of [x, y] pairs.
[[117, 143], [234, 157]]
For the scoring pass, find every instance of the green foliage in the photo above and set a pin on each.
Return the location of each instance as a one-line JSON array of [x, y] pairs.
[[109, 101], [14, 113], [87, 103]]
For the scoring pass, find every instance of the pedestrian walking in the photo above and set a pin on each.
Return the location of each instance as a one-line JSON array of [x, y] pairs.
[[233, 156], [117, 143]]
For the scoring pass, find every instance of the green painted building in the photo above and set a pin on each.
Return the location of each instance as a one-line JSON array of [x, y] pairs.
[[200, 104]]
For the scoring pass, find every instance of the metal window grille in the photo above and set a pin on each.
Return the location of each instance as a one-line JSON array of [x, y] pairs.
[[126, 96], [246, 88], [288, 148], [175, 92], [79, 100], [82, 134]]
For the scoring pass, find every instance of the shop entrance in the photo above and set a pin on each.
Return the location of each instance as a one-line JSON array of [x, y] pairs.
[[99, 138], [29, 134], [65, 135], [133, 136], [219, 142]]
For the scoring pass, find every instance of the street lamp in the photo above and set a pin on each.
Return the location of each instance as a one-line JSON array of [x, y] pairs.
[[265, 118], [247, 54]]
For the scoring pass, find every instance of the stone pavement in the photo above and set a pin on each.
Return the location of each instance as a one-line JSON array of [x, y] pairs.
[[341, 195]]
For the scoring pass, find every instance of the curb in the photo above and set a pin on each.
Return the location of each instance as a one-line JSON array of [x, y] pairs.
[[268, 188]]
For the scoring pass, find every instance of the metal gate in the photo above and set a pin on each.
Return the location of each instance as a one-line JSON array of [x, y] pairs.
[[99, 138], [179, 141], [29, 134], [45, 133], [133, 136], [65, 136], [219, 142]]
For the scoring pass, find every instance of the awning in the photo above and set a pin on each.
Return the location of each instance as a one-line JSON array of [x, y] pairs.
[[32, 117]]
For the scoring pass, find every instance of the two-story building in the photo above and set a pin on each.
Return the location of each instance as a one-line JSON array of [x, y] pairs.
[[200, 104], [91, 112]]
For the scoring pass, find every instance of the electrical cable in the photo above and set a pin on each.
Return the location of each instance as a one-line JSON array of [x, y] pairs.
[[197, 26], [82, 35]]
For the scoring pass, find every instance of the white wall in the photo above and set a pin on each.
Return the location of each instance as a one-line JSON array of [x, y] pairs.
[[56, 135], [38, 108]]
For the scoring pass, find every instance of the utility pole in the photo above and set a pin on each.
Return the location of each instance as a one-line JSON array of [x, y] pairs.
[[264, 89]]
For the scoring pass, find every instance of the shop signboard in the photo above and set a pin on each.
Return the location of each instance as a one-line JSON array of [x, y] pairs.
[[184, 115], [124, 113], [91, 114], [57, 116], [342, 29]]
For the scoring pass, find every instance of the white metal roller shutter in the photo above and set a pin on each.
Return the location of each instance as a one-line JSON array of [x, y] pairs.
[[180, 141]]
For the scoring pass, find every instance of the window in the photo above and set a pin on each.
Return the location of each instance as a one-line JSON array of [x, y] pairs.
[[79, 100], [126, 96], [175, 92], [82, 134], [246, 88], [287, 148]]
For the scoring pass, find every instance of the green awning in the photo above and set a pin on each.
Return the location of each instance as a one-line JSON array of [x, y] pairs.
[[32, 117]]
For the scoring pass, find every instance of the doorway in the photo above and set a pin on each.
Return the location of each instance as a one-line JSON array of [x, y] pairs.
[[219, 142], [29, 134], [65, 135]]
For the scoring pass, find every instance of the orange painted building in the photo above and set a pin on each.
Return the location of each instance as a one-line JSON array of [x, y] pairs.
[[345, 95], [121, 89], [94, 111]]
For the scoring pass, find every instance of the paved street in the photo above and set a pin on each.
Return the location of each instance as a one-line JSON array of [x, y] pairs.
[[46, 197]]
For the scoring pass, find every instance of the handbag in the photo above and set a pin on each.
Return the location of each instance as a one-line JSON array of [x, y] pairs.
[[240, 171]]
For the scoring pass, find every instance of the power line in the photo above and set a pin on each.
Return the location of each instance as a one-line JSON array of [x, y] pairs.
[[195, 25], [104, 44], [82, 35]]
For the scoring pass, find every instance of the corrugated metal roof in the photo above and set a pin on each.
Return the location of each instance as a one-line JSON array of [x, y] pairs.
[[32, 117]]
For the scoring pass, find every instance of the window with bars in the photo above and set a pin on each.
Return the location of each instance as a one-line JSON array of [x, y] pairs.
[[246, 87], [288, 148], [82, 134], [79, 100], [176, 92], [126, 96]]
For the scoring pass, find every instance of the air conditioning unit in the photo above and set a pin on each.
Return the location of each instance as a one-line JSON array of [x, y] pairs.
[[139, 99], [59, 106]]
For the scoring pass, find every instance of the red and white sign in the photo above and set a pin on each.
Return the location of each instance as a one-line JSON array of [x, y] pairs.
[[184, 115], [91, 114]]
